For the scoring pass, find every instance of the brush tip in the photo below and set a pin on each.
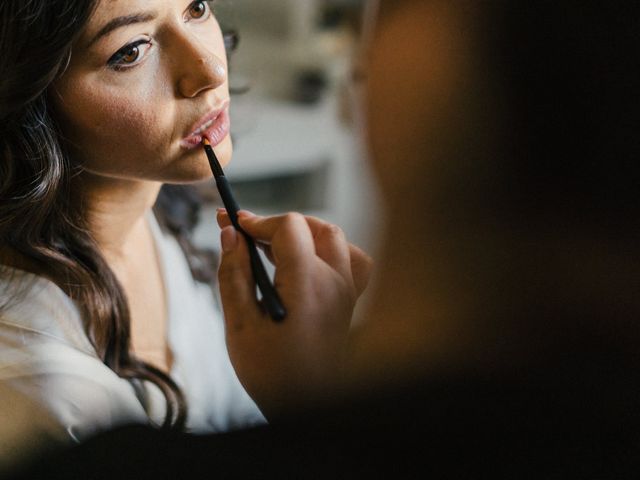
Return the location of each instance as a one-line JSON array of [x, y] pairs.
[[206, 142]]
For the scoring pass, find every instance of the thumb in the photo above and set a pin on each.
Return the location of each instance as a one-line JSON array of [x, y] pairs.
[[237, 287]]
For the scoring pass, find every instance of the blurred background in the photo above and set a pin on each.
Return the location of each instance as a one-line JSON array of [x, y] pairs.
[[296, 133]]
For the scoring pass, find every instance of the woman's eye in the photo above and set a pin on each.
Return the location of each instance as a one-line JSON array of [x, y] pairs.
[[129, 55], [198, 10]]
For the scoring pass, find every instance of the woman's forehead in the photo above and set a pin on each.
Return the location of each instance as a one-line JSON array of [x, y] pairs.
[[108, 15]]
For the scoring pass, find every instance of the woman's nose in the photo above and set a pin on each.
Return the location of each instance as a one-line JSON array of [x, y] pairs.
[[201, 70]]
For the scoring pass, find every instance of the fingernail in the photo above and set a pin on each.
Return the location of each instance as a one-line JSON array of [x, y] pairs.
[[220, 211], [228, 239]]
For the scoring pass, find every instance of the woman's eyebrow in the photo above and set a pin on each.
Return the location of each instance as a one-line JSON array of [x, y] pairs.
[[119, 22]]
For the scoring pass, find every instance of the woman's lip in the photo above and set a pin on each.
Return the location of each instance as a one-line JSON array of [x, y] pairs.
[[217, 126]]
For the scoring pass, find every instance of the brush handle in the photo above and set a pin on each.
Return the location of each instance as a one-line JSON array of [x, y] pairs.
[[270, 297]]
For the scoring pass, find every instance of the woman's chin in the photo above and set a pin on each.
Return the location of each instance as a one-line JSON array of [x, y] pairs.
[[195, 167], [224, 151]]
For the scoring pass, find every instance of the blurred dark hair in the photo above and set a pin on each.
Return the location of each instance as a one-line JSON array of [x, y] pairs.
[[566, 77], [560, 179], [39, 218]]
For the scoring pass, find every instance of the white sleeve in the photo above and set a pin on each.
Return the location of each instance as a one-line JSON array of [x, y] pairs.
[[46, 356], [81, 393]]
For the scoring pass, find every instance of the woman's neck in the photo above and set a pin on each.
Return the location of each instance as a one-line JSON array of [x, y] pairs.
[[116, 212], [117, 220]]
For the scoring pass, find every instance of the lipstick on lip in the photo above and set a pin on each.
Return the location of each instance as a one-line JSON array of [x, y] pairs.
[[214, 126]]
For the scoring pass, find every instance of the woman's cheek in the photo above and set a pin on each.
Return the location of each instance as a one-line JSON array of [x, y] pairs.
[[124, 113]]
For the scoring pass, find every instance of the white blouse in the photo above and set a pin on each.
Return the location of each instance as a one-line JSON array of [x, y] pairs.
[[46, 355]]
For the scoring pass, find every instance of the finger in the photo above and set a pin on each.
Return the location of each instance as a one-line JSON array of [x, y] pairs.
[[260, 228], [361, 267], [332, 247], [223, 218], [288, 235], [237, 289], [360, 264], [225, 221], [263, 228], [329, 240]]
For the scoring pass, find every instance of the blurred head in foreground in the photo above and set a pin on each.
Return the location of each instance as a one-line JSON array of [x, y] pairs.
[[504, 142]]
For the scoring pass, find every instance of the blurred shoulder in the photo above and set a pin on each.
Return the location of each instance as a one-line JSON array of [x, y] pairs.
[[27, 429]]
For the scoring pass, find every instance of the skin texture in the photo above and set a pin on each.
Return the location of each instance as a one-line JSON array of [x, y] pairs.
[[125, 128]]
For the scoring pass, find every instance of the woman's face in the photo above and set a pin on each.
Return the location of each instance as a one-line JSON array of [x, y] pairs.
[[147, 80]]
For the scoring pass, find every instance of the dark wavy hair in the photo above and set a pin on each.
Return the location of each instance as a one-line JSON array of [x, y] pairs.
[[39, 218]]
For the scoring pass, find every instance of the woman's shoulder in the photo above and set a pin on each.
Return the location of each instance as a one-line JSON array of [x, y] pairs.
[[46, 356]]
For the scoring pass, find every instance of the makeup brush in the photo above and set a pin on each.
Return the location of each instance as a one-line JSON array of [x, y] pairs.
[[270, 298]]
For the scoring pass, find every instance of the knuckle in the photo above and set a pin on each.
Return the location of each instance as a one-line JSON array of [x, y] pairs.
[[293, 219], [331, 230], [361, 257], [335, 230]]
